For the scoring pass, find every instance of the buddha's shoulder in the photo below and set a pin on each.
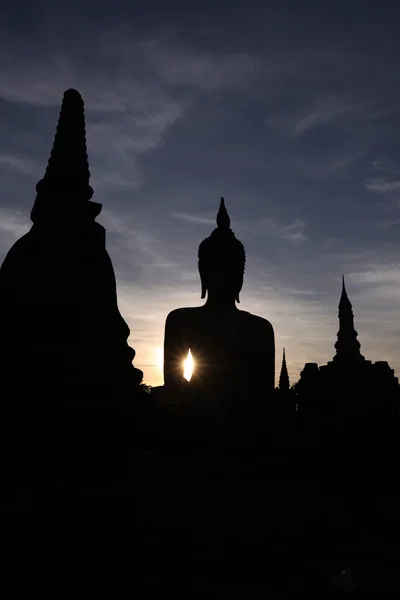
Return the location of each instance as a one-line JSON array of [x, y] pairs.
[[257, 322], [181, 314]]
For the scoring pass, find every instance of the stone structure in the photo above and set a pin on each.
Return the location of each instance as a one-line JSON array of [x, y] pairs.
[[233, 350], [347, 345], [60, 324], [349, 418], [349, 385]]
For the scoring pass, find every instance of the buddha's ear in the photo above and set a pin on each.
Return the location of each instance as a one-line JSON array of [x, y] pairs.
[[239, 288], [203, 283]]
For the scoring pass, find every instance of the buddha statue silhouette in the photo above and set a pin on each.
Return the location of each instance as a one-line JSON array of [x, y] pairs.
[[233, 350]]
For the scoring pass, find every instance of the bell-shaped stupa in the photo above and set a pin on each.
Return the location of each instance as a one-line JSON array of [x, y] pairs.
[[61, 327]]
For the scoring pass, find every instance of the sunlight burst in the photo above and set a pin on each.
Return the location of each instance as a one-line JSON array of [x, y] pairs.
[[188, 366], [160, 358]]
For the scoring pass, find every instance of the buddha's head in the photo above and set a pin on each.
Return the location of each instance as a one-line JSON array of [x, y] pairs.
[[222, 260]]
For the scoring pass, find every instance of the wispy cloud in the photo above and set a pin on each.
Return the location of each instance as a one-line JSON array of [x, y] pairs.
[[18, 163], [13, 225], [382, 186], [127, 115], [379, 275], [320, 111], [326, 168], [383, 165], [135, 241], [387, 223], [159, 59], [116, 144], [142, 92], [185, 66], [129, 110], [326, 109], [195, 219], [293, 232]]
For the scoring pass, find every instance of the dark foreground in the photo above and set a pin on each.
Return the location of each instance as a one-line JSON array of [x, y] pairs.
[[177, 503]]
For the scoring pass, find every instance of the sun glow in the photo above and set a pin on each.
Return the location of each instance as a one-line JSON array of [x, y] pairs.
[[160, 358], [188, 366]]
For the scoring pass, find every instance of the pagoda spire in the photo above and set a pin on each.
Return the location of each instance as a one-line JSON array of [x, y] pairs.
[[284, 383], [347, 345], [344, 302], [65, 186]]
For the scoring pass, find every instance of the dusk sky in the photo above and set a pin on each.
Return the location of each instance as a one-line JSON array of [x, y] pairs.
[[290, 110]]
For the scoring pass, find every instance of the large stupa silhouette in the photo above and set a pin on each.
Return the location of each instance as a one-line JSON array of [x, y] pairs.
[[60, 324]]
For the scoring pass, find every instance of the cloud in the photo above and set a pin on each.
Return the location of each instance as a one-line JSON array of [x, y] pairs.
[[264, 228], [35, 72], [382, 186], [182, 65], [128, 114], [293, 232], [132, 99], [324, 111], [379, 275], [138, 91], [387, 223], [116, 144], [383, 164], [195, 219], [13, 225], [136, 242], [18, 163], [319, 111], [325, 168]]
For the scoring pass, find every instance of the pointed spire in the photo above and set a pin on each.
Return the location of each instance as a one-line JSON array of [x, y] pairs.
[[344, 299], [66, 181], [347, 345], [284, 383], [223, 220]]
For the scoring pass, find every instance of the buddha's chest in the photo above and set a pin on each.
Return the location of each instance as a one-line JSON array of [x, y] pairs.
[[220, 339]]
